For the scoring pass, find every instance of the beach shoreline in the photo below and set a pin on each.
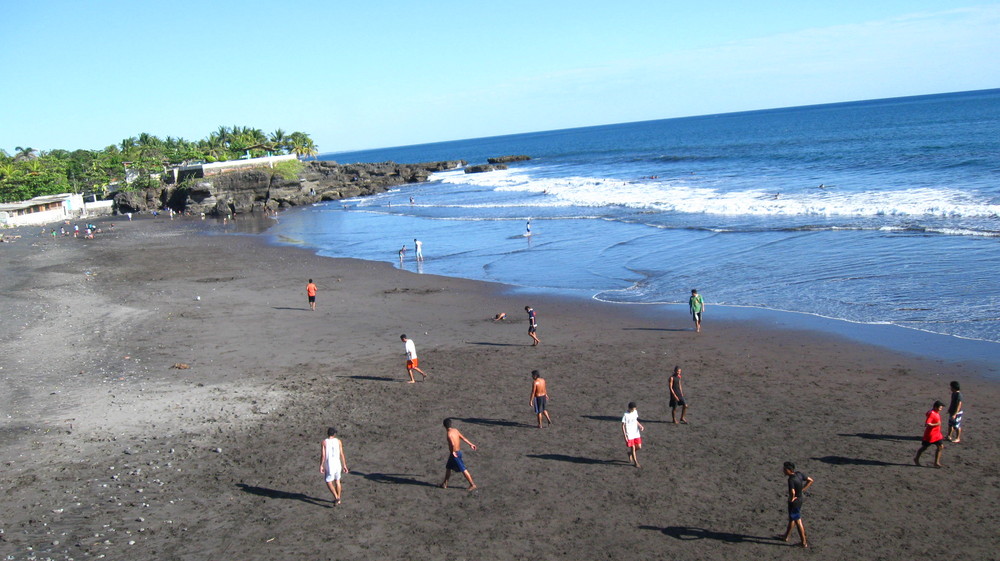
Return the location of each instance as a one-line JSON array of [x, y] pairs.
[[109, 449]]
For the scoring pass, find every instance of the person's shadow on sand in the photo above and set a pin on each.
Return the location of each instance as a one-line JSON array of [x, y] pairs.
[[617, 419], [491, 344], [843, 461], [276, 494], [393, 478], [577, 459], [306, 309], [496, 422], [373, 378], [873, 436], [655, 329], [690, 533]]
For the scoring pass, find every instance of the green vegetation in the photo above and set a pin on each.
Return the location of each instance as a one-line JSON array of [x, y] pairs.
[[137, 162]]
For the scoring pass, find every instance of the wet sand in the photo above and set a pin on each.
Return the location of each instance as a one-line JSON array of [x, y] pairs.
[[109, 450]]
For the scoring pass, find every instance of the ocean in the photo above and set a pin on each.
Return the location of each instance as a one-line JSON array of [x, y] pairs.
[[881, 212]]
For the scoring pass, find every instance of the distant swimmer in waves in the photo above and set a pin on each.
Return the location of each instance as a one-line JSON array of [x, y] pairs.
[[527, 231]]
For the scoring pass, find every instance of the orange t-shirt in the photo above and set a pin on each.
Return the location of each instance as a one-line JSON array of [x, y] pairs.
[[310, 289]]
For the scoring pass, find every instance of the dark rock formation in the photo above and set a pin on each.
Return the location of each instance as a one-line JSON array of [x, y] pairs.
[[263, 189], [484, 167], [508, 159]]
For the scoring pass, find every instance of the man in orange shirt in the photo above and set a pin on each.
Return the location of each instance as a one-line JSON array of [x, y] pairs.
[[311, 293]]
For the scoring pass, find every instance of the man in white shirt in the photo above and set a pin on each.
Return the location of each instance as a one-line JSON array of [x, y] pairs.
[[411, 358]]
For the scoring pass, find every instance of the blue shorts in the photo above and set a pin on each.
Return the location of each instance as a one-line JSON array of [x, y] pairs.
[[956, 421], [540, 403], [794, 511], [456, 463]]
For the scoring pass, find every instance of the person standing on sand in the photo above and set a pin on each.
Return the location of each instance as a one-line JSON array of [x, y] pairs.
[[932, 434], [532, 325], [419, 245], [955, 414], [412, 361], [311, 293], [539, 397], [677, 397], [455, 462], [632, 431], [697, 305], [798, 482], [332, 462]]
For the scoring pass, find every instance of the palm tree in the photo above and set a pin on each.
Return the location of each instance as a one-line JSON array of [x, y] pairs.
[[25, 153], [302, 145]]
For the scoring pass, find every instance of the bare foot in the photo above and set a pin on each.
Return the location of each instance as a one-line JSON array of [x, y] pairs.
[[443, 485], [411, 382], [473, 488], [955, 441], [683, 422], [916, 461], [674, 422], [938, 466]]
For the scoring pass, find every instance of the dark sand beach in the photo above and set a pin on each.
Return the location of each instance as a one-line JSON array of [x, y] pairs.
[[110, 452]]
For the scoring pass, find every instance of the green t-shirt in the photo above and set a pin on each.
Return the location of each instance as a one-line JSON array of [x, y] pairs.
[[696, 303]]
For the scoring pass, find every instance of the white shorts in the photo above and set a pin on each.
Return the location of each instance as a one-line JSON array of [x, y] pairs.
[[333, 475]]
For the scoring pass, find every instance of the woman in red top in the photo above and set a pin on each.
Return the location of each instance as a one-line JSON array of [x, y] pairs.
[[932, 434]]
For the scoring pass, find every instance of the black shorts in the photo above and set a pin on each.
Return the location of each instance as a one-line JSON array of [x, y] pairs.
[[677, 402], [312, 299], [532, 328], [938, 442]]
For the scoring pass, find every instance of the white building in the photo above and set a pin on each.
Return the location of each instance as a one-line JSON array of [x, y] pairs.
[[42, 210]]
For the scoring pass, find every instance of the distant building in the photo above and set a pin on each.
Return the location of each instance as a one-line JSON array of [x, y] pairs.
[[204, 170], [49, 208]]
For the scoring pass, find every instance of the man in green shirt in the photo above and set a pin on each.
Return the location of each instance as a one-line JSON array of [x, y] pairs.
[[697, 305]]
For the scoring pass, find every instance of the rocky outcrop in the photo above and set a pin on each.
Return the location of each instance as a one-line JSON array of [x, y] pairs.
[[507, 159], [484, 168], [264, 189]]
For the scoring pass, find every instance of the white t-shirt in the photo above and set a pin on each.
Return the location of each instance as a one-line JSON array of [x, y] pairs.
[[332, 446], [411, 350], [419, 244], [631, 421]]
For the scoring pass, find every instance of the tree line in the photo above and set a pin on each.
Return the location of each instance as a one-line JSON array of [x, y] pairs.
[[136, 162]]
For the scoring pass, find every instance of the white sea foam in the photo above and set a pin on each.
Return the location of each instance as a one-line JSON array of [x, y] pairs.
[[689, 197]]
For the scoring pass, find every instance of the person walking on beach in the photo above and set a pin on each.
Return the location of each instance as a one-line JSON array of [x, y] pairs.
[[955, 414], [539, 397], [798, 482], [677, 397], [332, 462], [412, 362], [311, 293], [632, 431], [532, 325], [932, 435], [697, 305], [419, 245], [455, 461]]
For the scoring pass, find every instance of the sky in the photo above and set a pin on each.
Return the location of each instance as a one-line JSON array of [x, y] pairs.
[[378, 73]]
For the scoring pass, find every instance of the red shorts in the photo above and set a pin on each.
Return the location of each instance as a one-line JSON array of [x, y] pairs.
[[412, 363], [637, 442]]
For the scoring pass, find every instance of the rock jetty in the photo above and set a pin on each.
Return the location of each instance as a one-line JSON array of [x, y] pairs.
[[263, 189], [508, 159]]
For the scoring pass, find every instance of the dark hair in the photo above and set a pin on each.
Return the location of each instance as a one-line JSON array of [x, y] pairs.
[[676, 368], [694, 291], [310, 280], [535, 374], [938, 404], [331, 431], [527, 307], [955, 386], [403, 336], [631, 405], [789, 466], [447, 423]]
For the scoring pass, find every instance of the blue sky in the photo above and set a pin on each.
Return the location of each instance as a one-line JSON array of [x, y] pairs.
[[376, 73]]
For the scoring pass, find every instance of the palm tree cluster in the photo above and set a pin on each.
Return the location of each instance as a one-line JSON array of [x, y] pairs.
[[135, 162]]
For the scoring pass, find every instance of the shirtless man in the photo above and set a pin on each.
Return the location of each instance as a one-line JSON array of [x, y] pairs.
[[455, 463], [539, 397]]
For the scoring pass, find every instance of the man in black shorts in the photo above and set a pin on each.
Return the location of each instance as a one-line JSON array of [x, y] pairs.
[[677, 397]]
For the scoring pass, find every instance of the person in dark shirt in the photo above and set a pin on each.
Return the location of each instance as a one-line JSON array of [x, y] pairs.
[[798, 482], [955, 414]]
